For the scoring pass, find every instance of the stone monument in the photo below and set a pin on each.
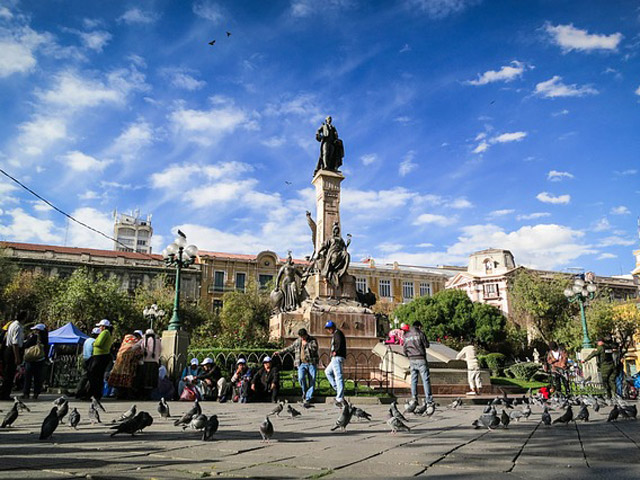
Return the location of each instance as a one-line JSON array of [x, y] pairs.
[[324, 290]]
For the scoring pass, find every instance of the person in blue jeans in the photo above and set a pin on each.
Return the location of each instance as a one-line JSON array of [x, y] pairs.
[[305, 349], [415, 348], [333, 371]]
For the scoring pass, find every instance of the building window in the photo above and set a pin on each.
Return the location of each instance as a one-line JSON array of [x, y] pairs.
[[425, 289], [384, 289], [142, 242], [264, 280], [240, 281], [407, 290], [218, 281], [490, 290], [217, 306], [361, 284]]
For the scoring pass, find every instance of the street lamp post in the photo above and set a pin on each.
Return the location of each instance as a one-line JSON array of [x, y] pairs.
[[581, 292], [152, 313], [180, 256]]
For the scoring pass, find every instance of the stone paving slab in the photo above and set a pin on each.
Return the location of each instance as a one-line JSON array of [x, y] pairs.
[[443, 446]]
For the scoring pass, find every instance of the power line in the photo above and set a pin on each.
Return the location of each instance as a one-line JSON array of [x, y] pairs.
[[70, 217]]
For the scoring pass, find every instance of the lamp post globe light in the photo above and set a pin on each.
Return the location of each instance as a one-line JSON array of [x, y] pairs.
[[180, 256], [152, 313], [581, 291]]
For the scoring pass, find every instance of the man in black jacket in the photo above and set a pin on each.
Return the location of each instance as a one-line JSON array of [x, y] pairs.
[[415, 347], [338, 356], [265, 384]]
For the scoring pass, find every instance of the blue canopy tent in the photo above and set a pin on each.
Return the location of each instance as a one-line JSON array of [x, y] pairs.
[[68, 334]]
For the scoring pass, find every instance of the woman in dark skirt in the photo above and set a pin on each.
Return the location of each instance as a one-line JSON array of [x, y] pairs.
[[152, 348]]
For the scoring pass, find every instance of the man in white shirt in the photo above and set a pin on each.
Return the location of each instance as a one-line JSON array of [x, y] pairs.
[[12, 355], [468, 353]]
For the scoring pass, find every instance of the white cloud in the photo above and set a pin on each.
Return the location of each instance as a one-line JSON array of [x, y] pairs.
[[185, 81], [554, 87], [15, 58], [207, 127], [438, 9], [368, 158], [570, 38], [560, 113], [208, 10], [407, 165], [81, 162], [133, 138], [533, 216], [484, 145], [425, 245], [222, 192], [430, 218], [95, 40], [624, 173], [80, 236], [459, 203], [607, 256], [89, 195], [274, 142], [615, 240], [306, 8], [40, 206], [26, 228], [557, 176], [389, 247], [41, 132], [507, 73], [546, 197], [620, 210], [637, 91], [602, 225], [501, 213], [5, 13], [137, 16]]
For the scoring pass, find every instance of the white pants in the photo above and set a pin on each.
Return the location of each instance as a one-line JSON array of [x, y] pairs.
[[474, 379]]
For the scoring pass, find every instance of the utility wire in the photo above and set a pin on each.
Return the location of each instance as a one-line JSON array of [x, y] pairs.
[[70, 217]]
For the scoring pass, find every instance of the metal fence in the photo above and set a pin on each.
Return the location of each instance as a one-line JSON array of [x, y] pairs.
[[65, 371]]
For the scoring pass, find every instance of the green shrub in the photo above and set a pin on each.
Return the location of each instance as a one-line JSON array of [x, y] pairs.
[[495, 362], [522, 371], [482, 361]]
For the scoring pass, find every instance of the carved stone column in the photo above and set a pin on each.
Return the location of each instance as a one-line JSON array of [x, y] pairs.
[[327, 185]]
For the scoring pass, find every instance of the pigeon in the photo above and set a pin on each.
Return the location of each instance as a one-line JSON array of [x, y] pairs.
[[49, 424], [74, 418], [186, 418], [431, 409], [59, 401], [293, 412], [566, 417], [21, 405], [630, 411], [132, 425], [10, 417], [526, 412], [410, 406], [505, 419], [210, 427], [360, 413], [266, 429], [97, 405], [487, 409], [228, 34], [397, 424], [489, 420], [212, 43], [163, 408], [613, 414], [287, 182], [583, 414], [277, 410], [516, 415], [128, 415], [198, 422], [456, 403], [63, 409], [395, 412], [144, 420], [546, 416], [345, 417], [94, 414]]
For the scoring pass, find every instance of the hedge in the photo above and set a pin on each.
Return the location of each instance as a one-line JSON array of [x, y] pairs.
[[522, 371], [494, 362]]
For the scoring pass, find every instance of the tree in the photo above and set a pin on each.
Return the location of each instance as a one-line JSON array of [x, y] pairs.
[[490, 325], [33, 293], [539, 303], [621, 320]]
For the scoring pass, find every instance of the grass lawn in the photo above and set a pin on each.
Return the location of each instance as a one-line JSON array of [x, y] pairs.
[[512, 382], [323, 388]]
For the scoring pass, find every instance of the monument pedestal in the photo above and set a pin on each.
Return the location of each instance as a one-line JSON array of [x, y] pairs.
[[590, 369], [174, 351]]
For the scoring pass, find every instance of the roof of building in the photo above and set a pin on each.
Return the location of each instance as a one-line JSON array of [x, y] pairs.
[[491, 250], [35, 247]]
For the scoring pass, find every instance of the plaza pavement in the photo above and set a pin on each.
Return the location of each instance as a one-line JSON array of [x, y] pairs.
[[444, 446]]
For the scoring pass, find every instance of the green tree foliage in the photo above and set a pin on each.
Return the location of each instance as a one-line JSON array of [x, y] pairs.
[[450, 313], [31, 292], [539, 302]]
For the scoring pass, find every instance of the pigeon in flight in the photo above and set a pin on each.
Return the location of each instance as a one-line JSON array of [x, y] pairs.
[[74, 418], [566, 417], [228, 34], [266, 429], [293, 412], [163, 408], [128, 415], [397, 424], [345, 417], [49, 424], [212, 42], [210, 428], [10, 417]]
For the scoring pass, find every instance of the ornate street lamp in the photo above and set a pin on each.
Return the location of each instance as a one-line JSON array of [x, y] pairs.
[[180, 256], [152, 313], [581, 292]]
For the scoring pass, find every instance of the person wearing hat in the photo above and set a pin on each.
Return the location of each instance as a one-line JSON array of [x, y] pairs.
[[605, 355], [210, 382], [265, 384], [396, 336], [37, 342], [193, 369], [306, 360], [240, 381], [415, 347], [12, 357], [100, 359], [123, 374], [338, 353], [87, 353], [150, 363]]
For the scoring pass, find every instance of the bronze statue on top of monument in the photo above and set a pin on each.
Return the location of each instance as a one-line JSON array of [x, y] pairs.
[[331, 148]]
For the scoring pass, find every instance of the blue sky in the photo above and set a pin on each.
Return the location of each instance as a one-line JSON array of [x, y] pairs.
[[467, 124]]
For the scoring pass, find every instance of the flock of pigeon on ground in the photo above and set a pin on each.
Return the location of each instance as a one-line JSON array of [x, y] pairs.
[[133, 421]]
